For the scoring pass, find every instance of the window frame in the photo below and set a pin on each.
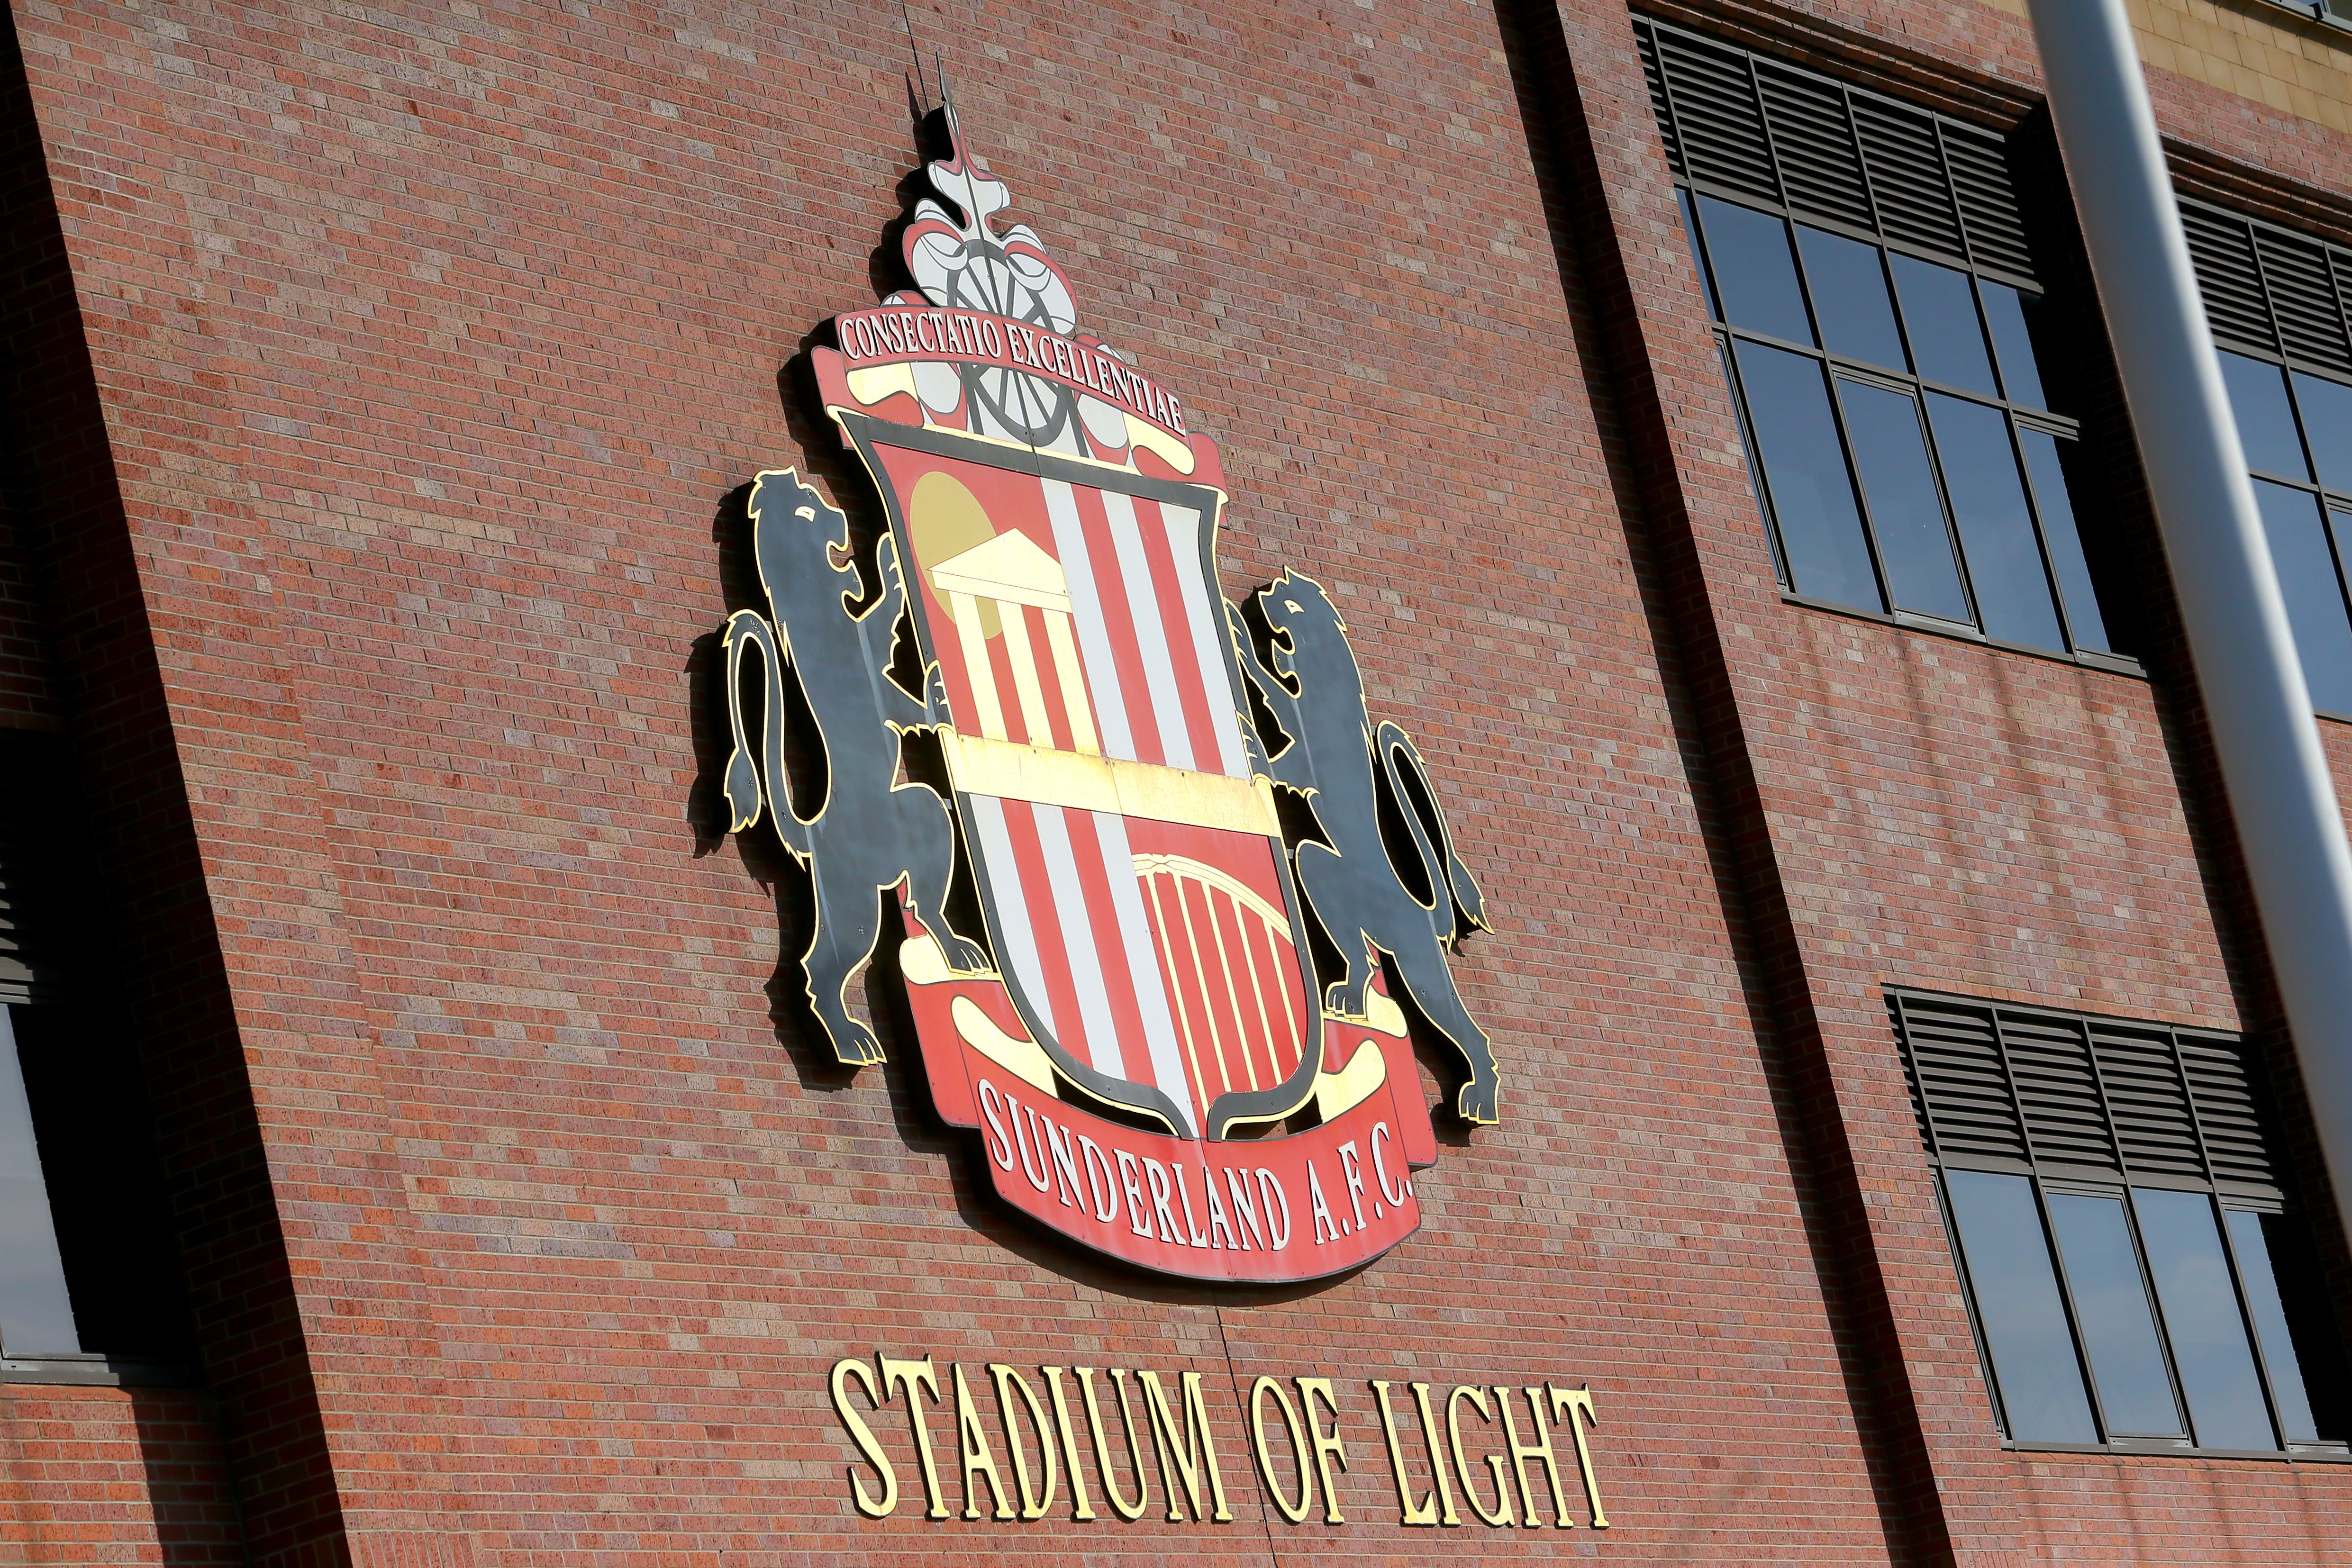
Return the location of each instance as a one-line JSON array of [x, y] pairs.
[[2339, 262], [2045, 1175], [2332, 504], [1836, 366]]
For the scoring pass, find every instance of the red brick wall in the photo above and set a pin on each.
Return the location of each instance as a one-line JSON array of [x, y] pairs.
[[428, 341], [106, 1476]]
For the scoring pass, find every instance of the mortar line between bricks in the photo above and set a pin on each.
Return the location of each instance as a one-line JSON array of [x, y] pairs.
[[1234, 1376]]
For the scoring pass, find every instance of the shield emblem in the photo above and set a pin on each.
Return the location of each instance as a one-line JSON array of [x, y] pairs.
[[1158, 1064], [1117, 813]]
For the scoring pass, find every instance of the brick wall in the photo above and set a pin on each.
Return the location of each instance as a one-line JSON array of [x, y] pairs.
[[104, 1476]]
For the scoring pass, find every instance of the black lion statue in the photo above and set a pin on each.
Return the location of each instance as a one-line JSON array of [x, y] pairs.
[[866, 833], [1384, 871]]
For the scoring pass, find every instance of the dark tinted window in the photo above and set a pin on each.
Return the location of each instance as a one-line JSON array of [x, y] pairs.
[[1947, 340], [2266, 417], [2005, 310], [1899, 484], [2301, 553], [1805, 474], [2266, 1304], [2058, 528], [2327, 421], [2118, 1328], [1755, 275], [1698, 262], [2024, 1318], [1848, 284], [1823, 223], [2196, 1305], [1996, 525], [2207, 1326]]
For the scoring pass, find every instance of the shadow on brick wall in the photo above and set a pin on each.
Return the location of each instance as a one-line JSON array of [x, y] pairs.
[[188, 1490], [141, 858]]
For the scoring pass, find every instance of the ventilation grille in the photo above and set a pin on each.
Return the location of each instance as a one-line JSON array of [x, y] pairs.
[[1958, 1087], [2003, 1086], [2274, 292], [2303, 300], [2150, 1102], [2227, 1111], [1712, 100], [16, 960], [2058, 1088], [1988, 199], [1658, 105], [1769, 130], [1821, 168], [2228, 277]]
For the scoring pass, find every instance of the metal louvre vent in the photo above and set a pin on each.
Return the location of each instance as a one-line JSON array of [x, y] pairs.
[[2228, 1112], [1997, 1087], [1988, 199], [2148, 1101], [1958, 1086], [1915, 197], [2228, 277], [30, 766], [1759, 128], [15, 961], [1715, 109], [2303, 300], [1820, 165], [1658, 105], [2058, 1089]]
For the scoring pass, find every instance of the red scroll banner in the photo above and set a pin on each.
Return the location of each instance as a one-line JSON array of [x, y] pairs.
[[894, 334], [1269, 1209]]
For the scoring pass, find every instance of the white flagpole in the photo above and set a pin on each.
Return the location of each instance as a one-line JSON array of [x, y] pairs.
[[2281, 795]]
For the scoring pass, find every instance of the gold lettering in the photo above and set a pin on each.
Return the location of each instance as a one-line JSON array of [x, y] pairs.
[[908, 1373], [1130, 1511], [1425, 1511], [1032, 1507], [1578, 1403], [972, 1442], [1477, 1397], [1328, 1446], [862, 1436], [1198, 1451], [1295, 1512], [1538, 1449], [1081, 1506], [1436, 1460]]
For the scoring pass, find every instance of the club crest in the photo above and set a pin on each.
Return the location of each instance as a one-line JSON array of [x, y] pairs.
[[1196, 855]]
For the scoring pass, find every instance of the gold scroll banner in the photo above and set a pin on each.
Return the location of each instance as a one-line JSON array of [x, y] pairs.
[[1012, 771]]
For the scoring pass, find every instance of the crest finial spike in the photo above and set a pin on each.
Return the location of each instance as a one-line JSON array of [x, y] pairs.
[[914, 49]]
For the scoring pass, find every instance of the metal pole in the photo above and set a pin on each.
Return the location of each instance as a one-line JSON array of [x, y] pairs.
[[2281, 795]]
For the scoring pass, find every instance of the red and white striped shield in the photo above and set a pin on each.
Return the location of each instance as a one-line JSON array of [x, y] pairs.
[[1128, 855]]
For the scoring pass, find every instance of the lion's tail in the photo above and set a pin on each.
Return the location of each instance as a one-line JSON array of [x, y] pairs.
[[756, 780], [1408, 778]]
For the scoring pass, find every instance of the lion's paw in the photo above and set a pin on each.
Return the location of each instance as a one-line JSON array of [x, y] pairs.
[[1477, 1101], [965, 955]]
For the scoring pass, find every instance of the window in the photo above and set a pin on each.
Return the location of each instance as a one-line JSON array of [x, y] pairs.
[[1866, 267], [2134, 1270], [89, 1278], [2276, 303]]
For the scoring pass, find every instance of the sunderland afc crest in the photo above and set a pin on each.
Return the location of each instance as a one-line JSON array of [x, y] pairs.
[[1169, 805]]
